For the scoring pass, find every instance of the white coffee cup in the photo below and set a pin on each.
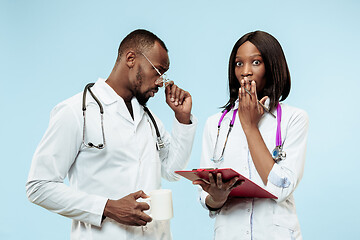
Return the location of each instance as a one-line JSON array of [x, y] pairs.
[[161, 207]]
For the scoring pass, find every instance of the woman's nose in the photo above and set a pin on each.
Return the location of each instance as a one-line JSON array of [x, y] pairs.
[[247, 70]]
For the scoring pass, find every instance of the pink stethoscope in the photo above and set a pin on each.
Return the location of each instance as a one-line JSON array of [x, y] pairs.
[[277, 154]]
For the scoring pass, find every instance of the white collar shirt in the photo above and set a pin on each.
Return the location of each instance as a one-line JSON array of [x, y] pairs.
[[129, 162], [259, 218]]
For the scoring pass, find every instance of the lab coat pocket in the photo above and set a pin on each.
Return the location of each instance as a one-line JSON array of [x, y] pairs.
[[284, 228], [281, 232]]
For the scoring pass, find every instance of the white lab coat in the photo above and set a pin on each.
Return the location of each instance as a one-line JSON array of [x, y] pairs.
[[129, 162], [256, 218]]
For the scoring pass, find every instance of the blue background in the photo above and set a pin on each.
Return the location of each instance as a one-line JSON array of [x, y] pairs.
[[49, 50]]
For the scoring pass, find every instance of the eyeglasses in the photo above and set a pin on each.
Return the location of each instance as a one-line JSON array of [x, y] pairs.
[[163, 79]]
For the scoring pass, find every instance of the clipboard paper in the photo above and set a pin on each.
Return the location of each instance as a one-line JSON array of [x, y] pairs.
[[248, 189]]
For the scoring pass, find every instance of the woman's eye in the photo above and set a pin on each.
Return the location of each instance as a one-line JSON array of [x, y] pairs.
[[238, 64], [256, 62]]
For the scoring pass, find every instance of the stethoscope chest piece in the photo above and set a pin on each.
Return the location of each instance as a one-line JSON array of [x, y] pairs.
[[278, 154]]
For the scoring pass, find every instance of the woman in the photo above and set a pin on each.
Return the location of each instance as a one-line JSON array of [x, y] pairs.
[[267, 147]]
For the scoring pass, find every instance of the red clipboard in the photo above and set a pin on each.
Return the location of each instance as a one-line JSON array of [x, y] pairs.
[[247, 189]]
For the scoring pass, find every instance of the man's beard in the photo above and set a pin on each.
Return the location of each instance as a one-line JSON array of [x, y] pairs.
[[141, 97]]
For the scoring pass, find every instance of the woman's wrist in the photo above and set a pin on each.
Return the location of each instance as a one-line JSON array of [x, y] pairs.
[[214, 205], [251, 129]]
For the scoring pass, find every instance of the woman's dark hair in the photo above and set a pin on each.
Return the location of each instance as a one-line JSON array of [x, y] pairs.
[[276, 70]]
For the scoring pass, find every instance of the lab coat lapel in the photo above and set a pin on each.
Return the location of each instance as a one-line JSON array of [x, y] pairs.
[[108, 96], [123, 111], [138, 111]]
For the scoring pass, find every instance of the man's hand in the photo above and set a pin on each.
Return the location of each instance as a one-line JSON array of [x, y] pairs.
[[127, 210], [179, 101]]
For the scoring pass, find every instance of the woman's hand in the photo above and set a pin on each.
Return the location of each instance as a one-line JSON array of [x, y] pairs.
[[217, 189], [250, 111]]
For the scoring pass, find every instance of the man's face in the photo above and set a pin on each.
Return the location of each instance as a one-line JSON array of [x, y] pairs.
[[145, 86]]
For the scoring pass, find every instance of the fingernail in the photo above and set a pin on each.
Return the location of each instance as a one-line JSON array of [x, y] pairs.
[[172, 99]]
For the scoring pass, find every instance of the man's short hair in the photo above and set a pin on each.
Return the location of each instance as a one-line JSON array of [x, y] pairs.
[[139, 40]]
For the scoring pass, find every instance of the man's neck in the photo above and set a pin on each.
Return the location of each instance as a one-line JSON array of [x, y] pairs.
[[118, 83], [129, 107]]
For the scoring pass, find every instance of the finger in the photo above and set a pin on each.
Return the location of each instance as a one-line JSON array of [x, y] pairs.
[[177, 96], [143, 206], [182, 96], [232, 182], [242, 85], [168, 90], [248, 94], [239, 93], [253, 91], [173, 92], [219, 181], [238, 183], [140, 222], [247, 84], [263, 100], [139, 194], [143, 216], [255, 99], [245, 93], [211, 180], [200, 180]]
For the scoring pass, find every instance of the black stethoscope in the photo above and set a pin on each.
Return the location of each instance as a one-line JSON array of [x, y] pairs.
[[159, 143]]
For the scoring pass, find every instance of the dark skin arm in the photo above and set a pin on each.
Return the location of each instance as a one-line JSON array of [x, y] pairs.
[[127, 210], [250, 113]]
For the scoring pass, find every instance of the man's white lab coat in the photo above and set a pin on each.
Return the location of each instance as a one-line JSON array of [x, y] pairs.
[[129, 162]]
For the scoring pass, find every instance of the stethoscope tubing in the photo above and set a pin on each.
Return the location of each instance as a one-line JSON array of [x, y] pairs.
[[160, 143], [278, 139]]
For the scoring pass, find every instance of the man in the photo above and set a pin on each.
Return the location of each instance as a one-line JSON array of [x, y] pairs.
[[113, 159]]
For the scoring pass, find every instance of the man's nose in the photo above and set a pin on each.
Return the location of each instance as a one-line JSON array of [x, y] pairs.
[[159, 82]]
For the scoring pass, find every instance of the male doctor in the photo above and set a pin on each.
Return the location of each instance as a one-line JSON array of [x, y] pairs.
[[112, 163]]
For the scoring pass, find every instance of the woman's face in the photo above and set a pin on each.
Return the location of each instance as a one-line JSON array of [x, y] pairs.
[[249, 65]]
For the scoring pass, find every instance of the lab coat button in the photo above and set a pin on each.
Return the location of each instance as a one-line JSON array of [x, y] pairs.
[[248, 210], [247, 232]]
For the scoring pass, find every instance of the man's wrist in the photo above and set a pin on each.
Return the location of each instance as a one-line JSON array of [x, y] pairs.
[[183, 118]]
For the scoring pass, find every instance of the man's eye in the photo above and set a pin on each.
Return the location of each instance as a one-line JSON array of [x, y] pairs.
[[238, 64]]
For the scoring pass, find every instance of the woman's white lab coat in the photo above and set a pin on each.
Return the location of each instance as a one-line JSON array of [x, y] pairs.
[[256, 218]]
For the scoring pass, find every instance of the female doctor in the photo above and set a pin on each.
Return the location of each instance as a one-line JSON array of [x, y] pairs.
[[259, 137]]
